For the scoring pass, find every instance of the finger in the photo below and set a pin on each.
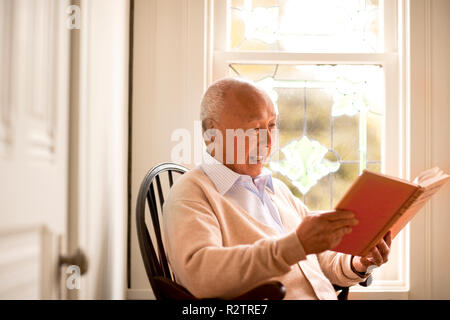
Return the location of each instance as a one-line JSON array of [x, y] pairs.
[[339, 233], [338, 215], [384, 250], [338, 224], [367, 261], [388, 238], [378, 259], [336, 236]]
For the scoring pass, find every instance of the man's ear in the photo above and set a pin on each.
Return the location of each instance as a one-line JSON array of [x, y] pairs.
[[208, 127], [208, 130], [208, 124]]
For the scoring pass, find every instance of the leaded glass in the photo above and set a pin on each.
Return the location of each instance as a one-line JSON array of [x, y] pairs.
[[306, 25], [330, 122]]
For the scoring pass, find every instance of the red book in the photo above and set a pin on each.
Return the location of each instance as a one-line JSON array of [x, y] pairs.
[[382, 203]]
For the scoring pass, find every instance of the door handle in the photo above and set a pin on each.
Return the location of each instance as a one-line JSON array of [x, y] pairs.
[[78, 258]]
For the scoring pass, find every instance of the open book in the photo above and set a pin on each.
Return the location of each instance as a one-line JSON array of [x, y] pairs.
[[382, 203]]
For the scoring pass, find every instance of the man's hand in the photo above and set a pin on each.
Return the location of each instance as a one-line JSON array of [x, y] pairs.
[[377, 256], [324, 230]]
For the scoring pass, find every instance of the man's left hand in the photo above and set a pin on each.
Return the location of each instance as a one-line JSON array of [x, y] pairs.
[[377, 256]]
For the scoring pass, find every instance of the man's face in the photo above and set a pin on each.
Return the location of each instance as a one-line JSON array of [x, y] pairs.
[[251, 112]]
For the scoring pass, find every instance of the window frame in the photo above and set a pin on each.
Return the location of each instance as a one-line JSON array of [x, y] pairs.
[[392, 60]]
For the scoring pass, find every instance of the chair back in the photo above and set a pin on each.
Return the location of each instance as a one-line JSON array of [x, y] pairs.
[[155, 262]]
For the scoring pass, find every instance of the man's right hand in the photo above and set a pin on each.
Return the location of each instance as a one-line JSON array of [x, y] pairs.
[[320, 231]]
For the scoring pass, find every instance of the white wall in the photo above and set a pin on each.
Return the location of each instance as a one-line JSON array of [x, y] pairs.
[[169, 79], [430, 145]]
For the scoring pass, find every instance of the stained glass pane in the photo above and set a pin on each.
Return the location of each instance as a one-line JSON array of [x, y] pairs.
[[319, 119], [374, 167], [237, 3], [318, 197], [345, 134], [255, 72], [237, 35], [291, 102], [348, 172], [305, 25], [329, 126], [374, 129]]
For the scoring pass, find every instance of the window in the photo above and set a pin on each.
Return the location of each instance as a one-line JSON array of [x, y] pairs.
[[330, 125], [331, 69]]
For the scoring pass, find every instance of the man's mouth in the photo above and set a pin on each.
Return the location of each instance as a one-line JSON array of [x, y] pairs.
[[256, 159]]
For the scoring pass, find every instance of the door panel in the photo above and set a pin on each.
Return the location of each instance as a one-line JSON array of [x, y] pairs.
[[33, 146]]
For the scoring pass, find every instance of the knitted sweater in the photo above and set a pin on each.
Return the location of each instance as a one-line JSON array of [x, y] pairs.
[[216, 249]]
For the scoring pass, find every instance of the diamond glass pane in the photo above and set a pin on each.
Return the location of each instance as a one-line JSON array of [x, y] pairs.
[[343, 179], [319, 195]]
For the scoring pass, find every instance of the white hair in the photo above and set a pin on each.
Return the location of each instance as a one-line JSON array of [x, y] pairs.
[[213, 100]]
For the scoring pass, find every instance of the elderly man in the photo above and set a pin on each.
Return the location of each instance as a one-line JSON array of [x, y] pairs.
[[229, 226]]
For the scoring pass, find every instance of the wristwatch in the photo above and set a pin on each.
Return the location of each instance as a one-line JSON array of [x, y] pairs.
[[360, 274]]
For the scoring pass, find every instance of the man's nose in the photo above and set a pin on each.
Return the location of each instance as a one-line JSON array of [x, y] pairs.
[[265, 138], [268, 137]]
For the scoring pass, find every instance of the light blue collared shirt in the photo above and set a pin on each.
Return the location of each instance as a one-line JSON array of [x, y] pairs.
[[250, 194]]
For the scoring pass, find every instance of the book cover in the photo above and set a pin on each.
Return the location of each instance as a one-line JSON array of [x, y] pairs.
[[382, 203]]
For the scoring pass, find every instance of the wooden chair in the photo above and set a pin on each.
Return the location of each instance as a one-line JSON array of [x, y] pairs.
[[343, 291], [159, 274]]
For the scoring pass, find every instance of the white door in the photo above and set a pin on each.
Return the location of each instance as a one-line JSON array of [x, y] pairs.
[[34, 61]]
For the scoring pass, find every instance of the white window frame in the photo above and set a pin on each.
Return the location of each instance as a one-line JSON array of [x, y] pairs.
[[395, 135]]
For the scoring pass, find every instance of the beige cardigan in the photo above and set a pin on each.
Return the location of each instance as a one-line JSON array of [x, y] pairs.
[[216, 249]]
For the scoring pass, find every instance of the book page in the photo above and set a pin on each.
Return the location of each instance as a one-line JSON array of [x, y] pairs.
[[430, 183], [430, 176]]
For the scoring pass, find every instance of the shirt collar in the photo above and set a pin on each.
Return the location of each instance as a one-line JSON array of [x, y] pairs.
[[265, 178], [224, 178]]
